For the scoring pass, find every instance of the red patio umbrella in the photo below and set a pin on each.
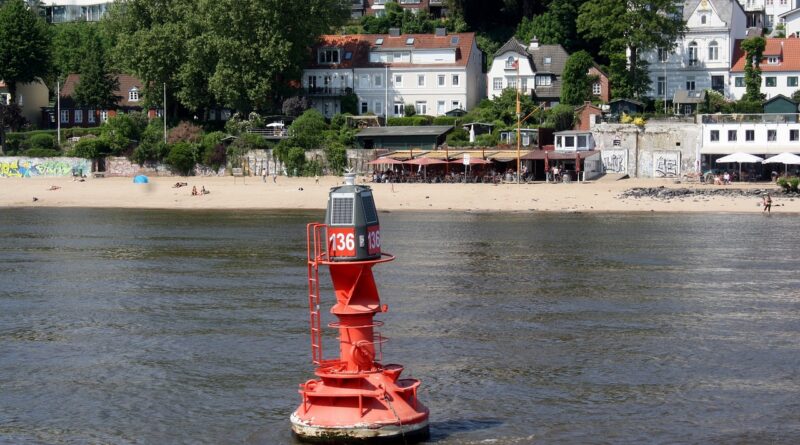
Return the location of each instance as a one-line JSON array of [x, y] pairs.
[[384, 160], [424, 162]]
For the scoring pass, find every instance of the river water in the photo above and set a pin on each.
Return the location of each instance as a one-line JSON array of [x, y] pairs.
[[161, 327]]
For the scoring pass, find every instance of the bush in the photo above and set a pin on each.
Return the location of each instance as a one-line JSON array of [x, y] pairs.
[[445, 120], [748, 106], [409, 120], [182, 158], [336, 154], [295, 161], [409, 110], [789, 184], [458, 138], [185, 132], [42, 153], [295, 106], [90, 148], [150, 152]]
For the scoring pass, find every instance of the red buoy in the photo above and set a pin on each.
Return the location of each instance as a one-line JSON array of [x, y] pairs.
[[355, 397]]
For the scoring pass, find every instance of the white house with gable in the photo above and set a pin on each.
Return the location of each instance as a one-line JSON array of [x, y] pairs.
[[435, 73], [702, 58]]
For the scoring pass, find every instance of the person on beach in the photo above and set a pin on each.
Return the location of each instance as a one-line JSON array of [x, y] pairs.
[[274, 178], [767, 204], [726, 178], [194, 190], [203, 190], [264, 174]]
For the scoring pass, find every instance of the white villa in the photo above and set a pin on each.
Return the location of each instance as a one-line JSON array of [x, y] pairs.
[[537, 68], [702, 58], [435, 73]]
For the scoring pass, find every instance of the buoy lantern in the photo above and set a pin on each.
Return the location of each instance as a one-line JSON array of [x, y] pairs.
[[355, 398]]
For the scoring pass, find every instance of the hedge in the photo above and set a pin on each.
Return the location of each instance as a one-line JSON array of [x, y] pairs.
[[415, 121]]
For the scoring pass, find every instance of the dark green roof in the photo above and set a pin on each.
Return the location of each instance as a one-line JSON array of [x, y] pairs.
[[425, 130]]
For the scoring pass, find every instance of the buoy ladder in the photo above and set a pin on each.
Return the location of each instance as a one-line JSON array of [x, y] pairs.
[[315, 256]]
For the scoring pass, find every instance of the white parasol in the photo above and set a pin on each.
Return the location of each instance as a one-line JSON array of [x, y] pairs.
[[740, 158], [784, 158]]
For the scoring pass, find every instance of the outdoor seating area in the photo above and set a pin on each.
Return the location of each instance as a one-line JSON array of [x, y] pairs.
[[488, 166]]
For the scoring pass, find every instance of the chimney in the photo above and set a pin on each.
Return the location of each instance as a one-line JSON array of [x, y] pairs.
[[534, 43], [441, 32], [394, 32]]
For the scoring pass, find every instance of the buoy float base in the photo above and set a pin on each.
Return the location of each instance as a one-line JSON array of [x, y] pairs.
[[361, 434], [374, 406]]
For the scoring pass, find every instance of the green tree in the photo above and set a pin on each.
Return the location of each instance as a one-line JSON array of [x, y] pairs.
[[576, 83], [98, 85], [754, 51], [555, 26], [796, 96], [182, 158], [560, 118], [237, 53], [307, 130], [68, 48], [24, 46], [504, 107], [635, 26], [336, 155]]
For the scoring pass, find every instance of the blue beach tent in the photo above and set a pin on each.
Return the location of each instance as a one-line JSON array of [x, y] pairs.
[[140, 179]]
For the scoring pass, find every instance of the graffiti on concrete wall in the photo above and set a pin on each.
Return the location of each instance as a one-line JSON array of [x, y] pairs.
[[22, 167], [615, 161], [666, 164]]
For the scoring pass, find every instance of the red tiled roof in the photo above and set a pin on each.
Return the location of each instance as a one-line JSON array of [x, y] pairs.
[[359, 46], [787, 49], [126, 83]]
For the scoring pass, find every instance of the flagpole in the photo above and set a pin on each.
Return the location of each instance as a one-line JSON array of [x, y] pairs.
[[519, 122]]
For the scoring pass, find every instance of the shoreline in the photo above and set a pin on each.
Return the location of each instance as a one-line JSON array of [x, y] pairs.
[[251, 193]]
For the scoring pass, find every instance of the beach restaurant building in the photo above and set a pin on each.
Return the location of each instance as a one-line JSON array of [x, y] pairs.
[[762, 135]]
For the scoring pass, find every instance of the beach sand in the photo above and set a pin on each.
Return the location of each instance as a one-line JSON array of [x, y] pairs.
[[253, 193]]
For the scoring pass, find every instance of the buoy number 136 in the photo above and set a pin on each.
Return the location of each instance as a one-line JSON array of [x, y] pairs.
[[343, 242]]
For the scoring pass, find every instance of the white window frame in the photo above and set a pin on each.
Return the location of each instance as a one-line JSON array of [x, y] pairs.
[[90, 118], [543, 80], [64, 116], [597, 88], [78, 116], [441, 80], [378, 107], [421, 107], [103, 116], [399, 109], [328, 56], [440, 107], [363, 107], [713, 51], [455, 80], [398, 80], [421, 80], [133, 95], [497, 83], [378, 80]]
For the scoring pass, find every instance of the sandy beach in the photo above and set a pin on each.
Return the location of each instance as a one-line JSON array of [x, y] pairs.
[[305, 193]]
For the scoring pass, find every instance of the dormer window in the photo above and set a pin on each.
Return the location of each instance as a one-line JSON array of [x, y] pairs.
[[547, 60], [133, 95], [703, 19], [510, 62], [328, 56], [773, 60]]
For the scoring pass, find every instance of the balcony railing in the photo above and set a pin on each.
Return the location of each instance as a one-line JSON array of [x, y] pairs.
[[436, 3], [750, 118], [327, 91]]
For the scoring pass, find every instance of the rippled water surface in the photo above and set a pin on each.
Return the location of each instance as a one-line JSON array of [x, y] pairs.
[[157, 327]]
